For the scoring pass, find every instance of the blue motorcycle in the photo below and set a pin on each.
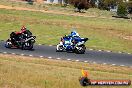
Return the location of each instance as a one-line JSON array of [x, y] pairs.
[[72, 44]]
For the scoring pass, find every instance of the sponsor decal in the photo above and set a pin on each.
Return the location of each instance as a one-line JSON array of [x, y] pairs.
[[86, 81]]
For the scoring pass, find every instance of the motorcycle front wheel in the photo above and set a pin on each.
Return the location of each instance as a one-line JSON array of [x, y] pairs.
[[80, 49], [59, 48]]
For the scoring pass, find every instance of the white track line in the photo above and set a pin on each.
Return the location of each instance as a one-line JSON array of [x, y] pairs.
[[22, 54], [94, 62], [113, 64], [49, 57], [39, 44], [119, 52], [13, 53], [41, 56], [122, 65], [30, 55], [50, 45], [68, 59], [4, 52], [58, 58], [77, 60], [100, 50], [104, 63], [85, 61], [108, 51]]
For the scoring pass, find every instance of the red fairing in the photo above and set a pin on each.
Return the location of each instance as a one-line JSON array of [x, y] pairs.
[[23, 31], [18, 33]]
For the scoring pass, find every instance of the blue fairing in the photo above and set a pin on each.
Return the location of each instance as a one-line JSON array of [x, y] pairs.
[[68, 42], [69, 48], [78, 39]]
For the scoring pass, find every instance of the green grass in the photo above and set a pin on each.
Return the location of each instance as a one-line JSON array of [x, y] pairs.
[[104, 34], [25, 72]]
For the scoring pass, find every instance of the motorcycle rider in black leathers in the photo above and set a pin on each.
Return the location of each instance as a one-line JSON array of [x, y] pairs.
[[18, 36]]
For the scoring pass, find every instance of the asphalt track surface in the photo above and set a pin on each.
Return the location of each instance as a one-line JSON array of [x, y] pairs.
[[90, 56]]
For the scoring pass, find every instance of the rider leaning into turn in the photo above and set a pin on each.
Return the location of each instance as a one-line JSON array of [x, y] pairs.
[[16, 36], [71, 37], [23, 29], [74, 34]]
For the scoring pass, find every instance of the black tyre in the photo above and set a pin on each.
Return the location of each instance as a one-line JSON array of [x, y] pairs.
[[81, 50], [8, 44], [60, 49], [30, 48], [23, 47]]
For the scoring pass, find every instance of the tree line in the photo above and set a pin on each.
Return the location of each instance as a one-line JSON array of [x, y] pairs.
[[123, 7]]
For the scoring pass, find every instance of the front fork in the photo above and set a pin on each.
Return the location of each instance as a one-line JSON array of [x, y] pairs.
[[60, 44]]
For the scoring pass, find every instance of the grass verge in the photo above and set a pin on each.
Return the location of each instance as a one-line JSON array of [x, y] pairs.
[[27, 72]]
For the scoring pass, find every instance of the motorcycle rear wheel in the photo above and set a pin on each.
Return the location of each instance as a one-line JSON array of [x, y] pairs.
[[8, 44]]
